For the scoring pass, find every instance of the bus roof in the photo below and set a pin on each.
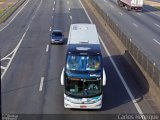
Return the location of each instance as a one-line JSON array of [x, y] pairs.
[[83, 33]]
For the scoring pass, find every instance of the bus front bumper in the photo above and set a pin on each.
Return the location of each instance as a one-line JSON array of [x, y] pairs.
[[94, 105]]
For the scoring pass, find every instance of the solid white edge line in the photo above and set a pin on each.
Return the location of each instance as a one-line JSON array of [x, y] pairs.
[[117, 70], [111, 6], [157, 25], [5, 58], [41, 84], [15, 16], [138, 13], [135, 24], [54, 2], [47, 48], [120, 13], [156, 41], [70, 17], [2, 67], [53, 9]]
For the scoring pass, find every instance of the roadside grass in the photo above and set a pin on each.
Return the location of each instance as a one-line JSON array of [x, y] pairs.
[[2, 0], [2, 19], [4, 9], [158, 7], [11, 10], [153, 4]]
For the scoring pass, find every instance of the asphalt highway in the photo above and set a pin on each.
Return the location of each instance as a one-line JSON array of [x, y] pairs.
[[31, 83]]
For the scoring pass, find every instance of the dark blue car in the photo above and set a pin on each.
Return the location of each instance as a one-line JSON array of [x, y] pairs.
[[57, 37]]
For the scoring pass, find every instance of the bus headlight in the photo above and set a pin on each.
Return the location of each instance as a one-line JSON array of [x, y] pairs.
[[99, 78], [98, 99], [67, 99]]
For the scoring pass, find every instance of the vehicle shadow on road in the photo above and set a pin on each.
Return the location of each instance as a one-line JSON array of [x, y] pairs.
[[115, 93]]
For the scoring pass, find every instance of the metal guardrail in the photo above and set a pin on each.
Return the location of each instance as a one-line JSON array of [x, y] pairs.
[[8, 12], [150, 68]]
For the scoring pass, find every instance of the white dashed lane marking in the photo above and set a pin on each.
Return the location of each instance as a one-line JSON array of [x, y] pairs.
[[156, 41], [41, 84], [47, 48], [135, 24]]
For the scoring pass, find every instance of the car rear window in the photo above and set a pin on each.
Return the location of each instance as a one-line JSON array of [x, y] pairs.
[[57, 34]]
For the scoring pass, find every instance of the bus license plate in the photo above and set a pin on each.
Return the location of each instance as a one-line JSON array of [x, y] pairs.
[[83, 106]]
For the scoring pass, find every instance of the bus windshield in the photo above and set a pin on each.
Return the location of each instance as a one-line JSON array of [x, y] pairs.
[[78, 88], [83, 63]]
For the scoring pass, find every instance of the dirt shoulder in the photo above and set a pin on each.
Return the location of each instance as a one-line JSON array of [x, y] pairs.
[[152, 3]]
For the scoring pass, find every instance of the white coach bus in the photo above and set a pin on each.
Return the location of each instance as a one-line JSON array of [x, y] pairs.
[[83, 76]]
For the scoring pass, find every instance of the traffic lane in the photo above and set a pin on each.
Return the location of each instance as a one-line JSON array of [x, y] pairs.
[[139, 20], [149, 22], [151, 9], [145, 40], [113, 14], [112, 102], [53, 91], [151, 14], [21, 84], [135, 33], [61, 15], [147, 10], [12, 34], [77, 12]]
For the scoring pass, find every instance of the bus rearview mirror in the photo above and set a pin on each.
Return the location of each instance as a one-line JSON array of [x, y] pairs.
[[62, 77]]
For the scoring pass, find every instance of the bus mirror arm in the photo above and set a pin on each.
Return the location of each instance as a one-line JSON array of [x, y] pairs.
[[104, 77], [62, 77]]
